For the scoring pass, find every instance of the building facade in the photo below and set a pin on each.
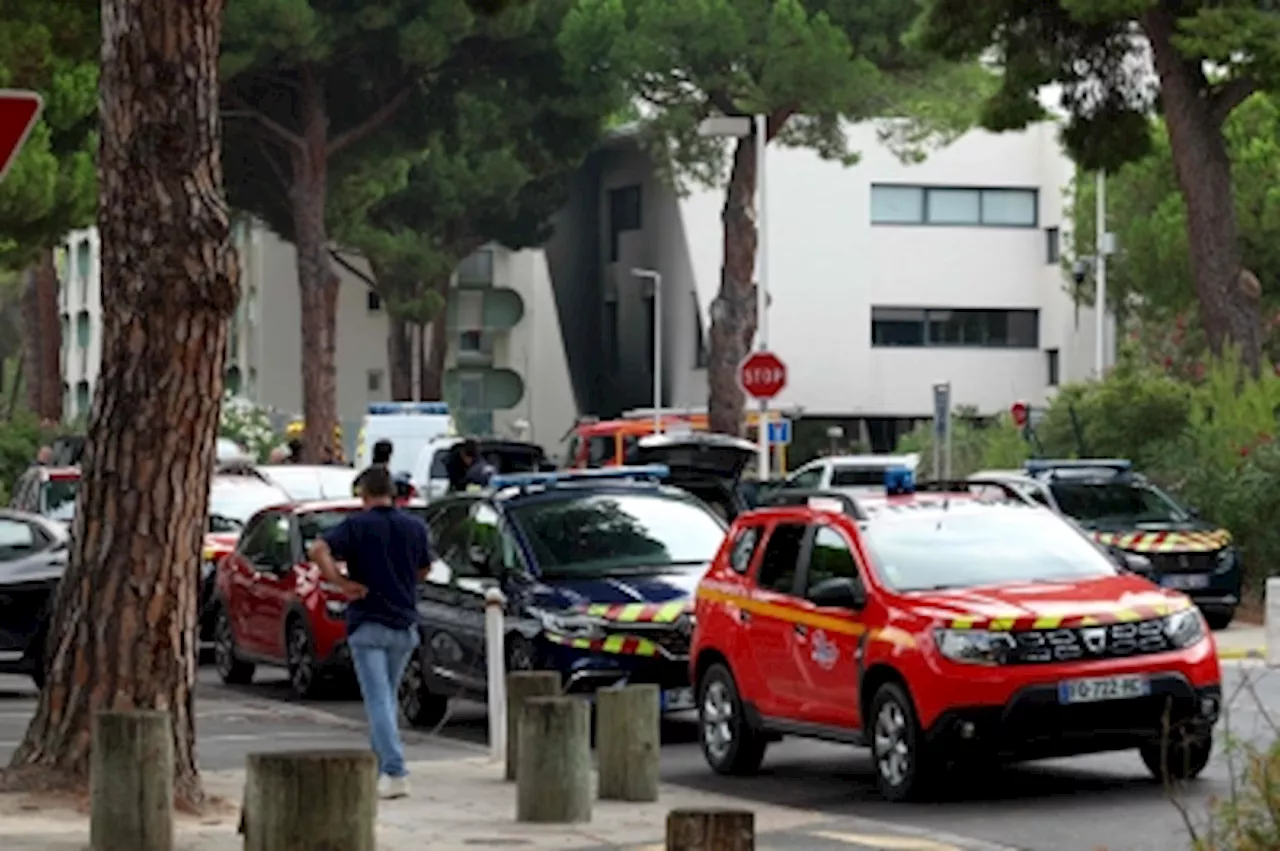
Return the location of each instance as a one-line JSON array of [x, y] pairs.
[[884, 279]]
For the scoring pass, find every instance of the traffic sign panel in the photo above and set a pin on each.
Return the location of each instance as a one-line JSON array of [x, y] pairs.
[[763, 375], [18, 113], [780, 431]]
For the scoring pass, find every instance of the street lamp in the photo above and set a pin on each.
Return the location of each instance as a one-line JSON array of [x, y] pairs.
[[656, 277], [741, 127]]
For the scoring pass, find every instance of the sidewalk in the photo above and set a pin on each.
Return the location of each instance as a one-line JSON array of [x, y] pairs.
[[1242, 641], [456, 805]]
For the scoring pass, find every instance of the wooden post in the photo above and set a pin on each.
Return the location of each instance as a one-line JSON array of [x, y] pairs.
[[131, 782], [522, 685], [628, 742], [553, 774], [309, 800], [711, 830]]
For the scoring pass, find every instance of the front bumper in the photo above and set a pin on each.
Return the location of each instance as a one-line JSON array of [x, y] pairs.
[[585, 672], [1034, 725]]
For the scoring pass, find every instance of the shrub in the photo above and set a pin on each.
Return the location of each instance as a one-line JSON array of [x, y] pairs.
[[20, 440], [975, 445], [248, 425]]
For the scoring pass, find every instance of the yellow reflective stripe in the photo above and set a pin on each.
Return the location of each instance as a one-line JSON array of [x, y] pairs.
[[670, 612], [208, 553], [646, 648], [1047, 623], [1089, 620], [785, 613], [963, 623], [598, 609], [614, 644], [1001, 624], [1127, 615], [632, 613]]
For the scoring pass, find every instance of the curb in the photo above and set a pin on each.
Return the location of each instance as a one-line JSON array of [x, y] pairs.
[[1241, 653]]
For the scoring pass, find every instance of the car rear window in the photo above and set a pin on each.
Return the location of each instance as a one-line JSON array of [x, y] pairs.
[[60, 498], [968, 545], [313, 524], [857, 477]]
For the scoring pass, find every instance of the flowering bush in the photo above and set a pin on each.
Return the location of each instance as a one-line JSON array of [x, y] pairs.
[[249, 425]]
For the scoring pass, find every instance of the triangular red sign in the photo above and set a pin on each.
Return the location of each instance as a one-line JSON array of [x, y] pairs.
[[18, 113]]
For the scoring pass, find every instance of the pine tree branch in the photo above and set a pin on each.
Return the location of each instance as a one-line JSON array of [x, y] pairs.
[[1228, 96], [266, 122], [353, 269], [374, 122]]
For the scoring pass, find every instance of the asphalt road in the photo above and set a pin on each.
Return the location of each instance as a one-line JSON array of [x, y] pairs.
[[1084, 804]]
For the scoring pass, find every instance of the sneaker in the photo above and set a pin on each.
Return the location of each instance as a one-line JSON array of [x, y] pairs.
[[393, 787]]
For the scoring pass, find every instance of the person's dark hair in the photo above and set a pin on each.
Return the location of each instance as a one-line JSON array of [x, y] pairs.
[[382, 452], [470, 450], [295, 450], [375, 483]]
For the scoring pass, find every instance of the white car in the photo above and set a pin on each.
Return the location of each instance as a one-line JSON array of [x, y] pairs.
[[311, 482], [856, 473]]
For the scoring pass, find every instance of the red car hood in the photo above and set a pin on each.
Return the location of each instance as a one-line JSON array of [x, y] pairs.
[[1049, 605], [218, 545]]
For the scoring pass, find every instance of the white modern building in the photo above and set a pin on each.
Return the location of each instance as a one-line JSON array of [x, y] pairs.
[[885, 278], [504, 338]]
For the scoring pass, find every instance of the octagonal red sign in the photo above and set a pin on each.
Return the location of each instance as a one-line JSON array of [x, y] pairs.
[[18, 113], [762, 375]]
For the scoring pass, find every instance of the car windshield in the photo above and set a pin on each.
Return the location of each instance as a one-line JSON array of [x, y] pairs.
[[603, 534], [313, 524], [972, 545], [1103, 503], [231, 506], [60, 499]]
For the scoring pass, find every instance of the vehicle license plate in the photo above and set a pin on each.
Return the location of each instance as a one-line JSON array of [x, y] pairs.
[[1103, 688], [677, 699], [1185, 581]]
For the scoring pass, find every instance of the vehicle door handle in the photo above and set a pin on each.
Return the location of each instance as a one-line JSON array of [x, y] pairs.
[[802, 630], [744, 616]]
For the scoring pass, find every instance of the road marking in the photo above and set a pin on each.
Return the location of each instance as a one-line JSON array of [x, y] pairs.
[[885, 843]]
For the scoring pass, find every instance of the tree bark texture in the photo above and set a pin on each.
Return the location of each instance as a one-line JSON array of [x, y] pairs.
[[733, 318], [711, 830], [1230, 312], [317, 281], [431, 377], [43, 339], [400, 358], [124, 623]]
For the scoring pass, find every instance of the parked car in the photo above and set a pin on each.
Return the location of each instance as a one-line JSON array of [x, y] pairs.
[[944, 630], [597, 567], [48, 491], [33, 556], [705, 464], [852, 474], [270, 606], [438, 463], [311, 482]]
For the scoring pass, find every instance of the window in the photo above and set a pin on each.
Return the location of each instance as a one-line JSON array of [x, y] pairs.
[[59, 499], [490, 552], [1116, 502], [84, 398], [83, 329], [477, 268], [373, 302], [470, 341], [471, 391], [267, 542], [624, 215], [232, 381], [781, 558], [858, 477], [744, 548], [807, 480], [830, 558], [373, 381], [1051, 361], [601, 451], [17, 539], [448, 528], [953, 205], [1052, 246], [963, 328]]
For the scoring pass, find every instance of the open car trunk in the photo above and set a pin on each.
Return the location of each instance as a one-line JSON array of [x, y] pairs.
[[705, 464], [506, 456]]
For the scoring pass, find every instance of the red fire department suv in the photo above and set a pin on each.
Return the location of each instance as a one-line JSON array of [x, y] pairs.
[[940, 628]]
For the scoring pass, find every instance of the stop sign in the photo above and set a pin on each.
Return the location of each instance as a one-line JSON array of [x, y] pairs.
[[18, 113], [763, 376]]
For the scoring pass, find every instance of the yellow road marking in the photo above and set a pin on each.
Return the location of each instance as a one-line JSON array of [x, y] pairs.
[[885, 843]]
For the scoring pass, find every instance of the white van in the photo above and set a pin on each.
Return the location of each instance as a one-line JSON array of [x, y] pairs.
[[410, 426]]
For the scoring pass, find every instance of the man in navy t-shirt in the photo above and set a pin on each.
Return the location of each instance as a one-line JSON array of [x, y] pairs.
[[387, 553]]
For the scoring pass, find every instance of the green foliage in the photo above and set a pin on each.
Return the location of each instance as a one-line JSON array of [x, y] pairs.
[[1247, 819], [50, 46], [248, 425], [807, 64], [975, 445], [20, 439], [1150, 276]]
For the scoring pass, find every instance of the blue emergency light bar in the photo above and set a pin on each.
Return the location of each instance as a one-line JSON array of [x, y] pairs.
[[899, 480], [407, 408], [1046, 465], [648, 473]]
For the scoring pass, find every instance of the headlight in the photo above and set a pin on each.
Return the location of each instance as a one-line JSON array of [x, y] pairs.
[[572, 626], [1184, 628], [335, 608], [1227, 557], [1137, 562], [974, 646]]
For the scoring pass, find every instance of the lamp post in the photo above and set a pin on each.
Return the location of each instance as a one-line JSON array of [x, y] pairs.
[[741, 127], [656, 277], [1101, 241]]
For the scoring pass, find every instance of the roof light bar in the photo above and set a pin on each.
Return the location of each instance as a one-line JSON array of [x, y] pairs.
[[899, 480], [407, 408], [1048, 465]]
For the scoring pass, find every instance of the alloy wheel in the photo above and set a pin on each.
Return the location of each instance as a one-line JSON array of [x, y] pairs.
[[717, 720], [301, 666], [411, 687], [890, 744], [224, 651]]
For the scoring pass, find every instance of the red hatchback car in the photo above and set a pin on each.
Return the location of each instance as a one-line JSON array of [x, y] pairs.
[[270, 605], [941, 629]]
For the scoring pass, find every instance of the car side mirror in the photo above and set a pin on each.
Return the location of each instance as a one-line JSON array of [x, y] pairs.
[[479, 558], [840, 592], [1193, 512], [1131, 562]]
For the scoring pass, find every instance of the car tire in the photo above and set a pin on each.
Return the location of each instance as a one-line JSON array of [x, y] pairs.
[[1181, 755], [421, 707], [1220, 620], [729, 742], [899, 753], [305, 678], [232, 670]]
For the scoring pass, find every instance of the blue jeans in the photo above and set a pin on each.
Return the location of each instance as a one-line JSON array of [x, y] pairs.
[[380, 655]]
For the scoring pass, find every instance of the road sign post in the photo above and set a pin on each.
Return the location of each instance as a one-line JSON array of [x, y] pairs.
[[763, 375], [18, 113], [942, 430]]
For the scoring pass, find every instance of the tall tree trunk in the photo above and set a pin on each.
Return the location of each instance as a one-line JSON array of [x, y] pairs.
[[32, 346], [317, 282], [733, 317], [423, 357], [124, 625], [437, 349], [1230, 312], [48, 331], [400, 357]]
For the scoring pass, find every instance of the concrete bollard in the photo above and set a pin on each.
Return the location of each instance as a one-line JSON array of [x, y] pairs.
[[711, 830], [1271, 619], [553, 773], [131, 782], [307, 800], [628, 742], [521, 686]]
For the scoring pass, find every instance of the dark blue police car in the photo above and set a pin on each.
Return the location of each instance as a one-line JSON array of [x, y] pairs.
[[598, 568]]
